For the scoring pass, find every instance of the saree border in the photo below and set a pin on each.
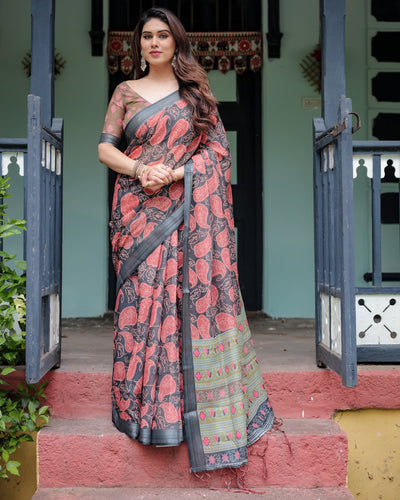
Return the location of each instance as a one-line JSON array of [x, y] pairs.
[[144, 114], [192, 427], [146, 436], [110, 139], [149, 244]]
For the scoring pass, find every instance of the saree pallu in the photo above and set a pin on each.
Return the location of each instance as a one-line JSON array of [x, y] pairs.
[[184, 363]]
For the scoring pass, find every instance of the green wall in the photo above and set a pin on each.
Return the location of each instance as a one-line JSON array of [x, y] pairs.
[[14, 89], [81, 99], [14, 44], [288, 179], [287, 152]]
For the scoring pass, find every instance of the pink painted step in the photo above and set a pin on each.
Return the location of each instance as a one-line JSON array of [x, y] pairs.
[[271, 493], [92, 453], [316, 394]]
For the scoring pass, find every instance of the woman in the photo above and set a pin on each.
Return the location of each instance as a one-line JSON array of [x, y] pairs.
[[184, 365]]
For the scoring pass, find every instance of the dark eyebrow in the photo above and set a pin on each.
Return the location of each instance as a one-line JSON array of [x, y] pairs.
[[161, 31]]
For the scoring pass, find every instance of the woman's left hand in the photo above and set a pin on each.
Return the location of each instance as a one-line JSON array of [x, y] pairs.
[[154, 177]]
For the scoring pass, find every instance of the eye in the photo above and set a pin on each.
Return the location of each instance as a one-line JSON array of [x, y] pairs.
[[147, 37], [163, 35]]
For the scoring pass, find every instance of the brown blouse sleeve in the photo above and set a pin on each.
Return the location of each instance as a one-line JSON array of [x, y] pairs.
[[113, 123]]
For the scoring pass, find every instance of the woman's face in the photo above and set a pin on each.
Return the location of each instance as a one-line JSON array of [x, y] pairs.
[[157, 43]]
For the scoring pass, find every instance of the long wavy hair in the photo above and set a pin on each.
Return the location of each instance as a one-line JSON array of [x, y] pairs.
[[193, 81]]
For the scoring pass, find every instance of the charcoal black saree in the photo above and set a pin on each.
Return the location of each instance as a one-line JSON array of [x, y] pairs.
[[184, 363]]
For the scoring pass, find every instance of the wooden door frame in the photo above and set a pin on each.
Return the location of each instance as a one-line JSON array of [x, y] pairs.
[[250, 257]]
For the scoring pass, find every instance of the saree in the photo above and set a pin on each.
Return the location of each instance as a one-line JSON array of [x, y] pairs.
[[184, 363]]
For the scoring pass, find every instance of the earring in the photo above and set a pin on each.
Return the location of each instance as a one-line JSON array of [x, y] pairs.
[[143, 64], [173, 62]]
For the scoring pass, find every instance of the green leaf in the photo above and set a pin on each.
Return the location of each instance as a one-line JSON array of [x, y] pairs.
[[11, 449], [30, 425], [26, 437], [43, 410], [21, 388], [25, 400], [12, 467], [5, 455], [4, 255], [32, 406], [44, 420], [7, 370], [8, 230], [15, 414]]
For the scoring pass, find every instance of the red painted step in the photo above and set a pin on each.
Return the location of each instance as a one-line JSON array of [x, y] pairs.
[[313, 394], [271, 493], [92, 453]]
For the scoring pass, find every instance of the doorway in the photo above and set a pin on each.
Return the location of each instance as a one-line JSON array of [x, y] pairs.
[[240, 112]]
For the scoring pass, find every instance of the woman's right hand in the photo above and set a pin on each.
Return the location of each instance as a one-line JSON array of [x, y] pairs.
[[154, 177]]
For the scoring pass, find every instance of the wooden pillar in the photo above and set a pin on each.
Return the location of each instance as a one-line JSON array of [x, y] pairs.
[[274, 34], [42, 56], [97, 33], [333, 85]]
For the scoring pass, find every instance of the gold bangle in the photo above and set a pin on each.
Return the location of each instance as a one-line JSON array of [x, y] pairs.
[[134, 169], [139, 165]]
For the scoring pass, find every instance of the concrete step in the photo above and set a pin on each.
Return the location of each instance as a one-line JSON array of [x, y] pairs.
[[91, 453], [270, 493], [316, 394]]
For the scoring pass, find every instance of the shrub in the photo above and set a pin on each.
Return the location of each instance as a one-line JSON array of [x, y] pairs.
[[21, 414], [21, 410], [12, 289]]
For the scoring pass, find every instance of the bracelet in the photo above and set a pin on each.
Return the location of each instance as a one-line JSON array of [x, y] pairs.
[[138, 165], [134, 170]]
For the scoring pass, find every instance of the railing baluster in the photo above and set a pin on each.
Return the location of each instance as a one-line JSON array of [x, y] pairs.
[[331, 174], [325, 213], [338, 267], [376, 222]]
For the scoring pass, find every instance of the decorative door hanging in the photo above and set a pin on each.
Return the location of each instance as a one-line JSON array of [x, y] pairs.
[[239, 50]]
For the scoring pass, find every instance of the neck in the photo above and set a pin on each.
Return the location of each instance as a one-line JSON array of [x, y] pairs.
[[161, 73]]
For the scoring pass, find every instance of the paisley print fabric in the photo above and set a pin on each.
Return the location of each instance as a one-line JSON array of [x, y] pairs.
[[223, 381]]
